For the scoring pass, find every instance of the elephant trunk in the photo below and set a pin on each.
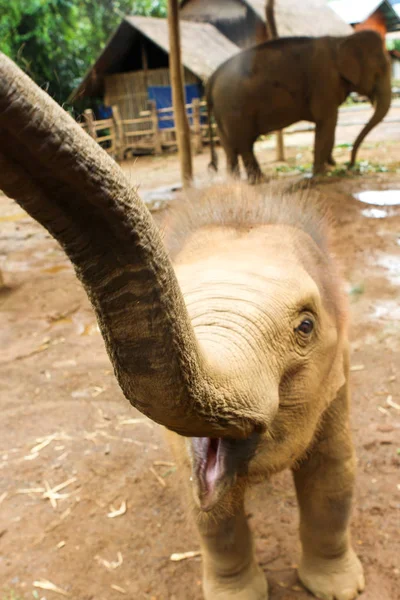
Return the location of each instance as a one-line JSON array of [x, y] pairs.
[[381, 99], [64, 180]]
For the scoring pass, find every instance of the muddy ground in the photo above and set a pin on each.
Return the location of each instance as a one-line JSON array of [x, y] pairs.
[[90, 500]]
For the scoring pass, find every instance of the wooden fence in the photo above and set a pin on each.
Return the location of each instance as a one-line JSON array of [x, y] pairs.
[[121, 137]]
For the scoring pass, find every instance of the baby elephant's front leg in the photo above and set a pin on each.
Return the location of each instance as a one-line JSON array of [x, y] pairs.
[[230, 571], [324, 482]]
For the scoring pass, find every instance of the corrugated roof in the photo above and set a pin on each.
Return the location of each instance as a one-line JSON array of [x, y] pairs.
[[305, 17], [354, 11], [203, 47]]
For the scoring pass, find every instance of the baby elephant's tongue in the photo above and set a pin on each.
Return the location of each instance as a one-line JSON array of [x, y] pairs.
[[209, 469], [216, 464]]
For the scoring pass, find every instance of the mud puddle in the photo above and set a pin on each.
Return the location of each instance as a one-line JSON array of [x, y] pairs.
[[159, 198], [376, 213], [388, 310], [379, 197], [391, 263]]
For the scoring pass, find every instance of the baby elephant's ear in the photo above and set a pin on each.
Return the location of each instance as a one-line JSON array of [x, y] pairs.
[[348, 60], [338, 375]]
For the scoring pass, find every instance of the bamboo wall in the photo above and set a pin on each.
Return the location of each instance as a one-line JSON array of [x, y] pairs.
[[128, 91]]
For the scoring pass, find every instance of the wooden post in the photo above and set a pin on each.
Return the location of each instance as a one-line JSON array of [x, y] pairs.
[[198, 143], [145, 63], [280, 146], [120, 138], [272, 31], [178, 96], [89, 119], [154, 123]]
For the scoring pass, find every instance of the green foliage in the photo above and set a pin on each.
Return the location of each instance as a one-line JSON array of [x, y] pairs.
[[393, 44], [364, 166], [356, 290], [55, 41], [11, 595], [361, 168], [293, 169]]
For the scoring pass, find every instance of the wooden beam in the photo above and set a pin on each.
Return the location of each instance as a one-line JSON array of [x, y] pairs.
[[272, 31], [178, 96]]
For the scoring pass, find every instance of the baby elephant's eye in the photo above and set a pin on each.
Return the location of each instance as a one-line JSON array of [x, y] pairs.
[[305, 326]]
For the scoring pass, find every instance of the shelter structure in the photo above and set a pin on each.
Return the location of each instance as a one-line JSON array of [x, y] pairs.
[[133, 68], [244, 21], [131, 74]]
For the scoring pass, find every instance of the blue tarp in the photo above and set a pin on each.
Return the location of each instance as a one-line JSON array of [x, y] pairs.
[[162, 94], [104, 112]]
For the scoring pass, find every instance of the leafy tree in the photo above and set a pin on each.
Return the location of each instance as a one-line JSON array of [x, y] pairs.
[[55, 41], [393, 44]]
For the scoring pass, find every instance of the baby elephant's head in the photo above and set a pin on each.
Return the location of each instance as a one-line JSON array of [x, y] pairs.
[[268, 315]]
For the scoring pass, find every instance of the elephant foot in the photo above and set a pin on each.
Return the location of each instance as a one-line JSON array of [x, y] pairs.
[[258, 179], [332, 578], [248, 585]]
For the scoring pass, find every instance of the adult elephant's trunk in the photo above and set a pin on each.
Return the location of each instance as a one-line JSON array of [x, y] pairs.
[[64, 180], [381, 99]]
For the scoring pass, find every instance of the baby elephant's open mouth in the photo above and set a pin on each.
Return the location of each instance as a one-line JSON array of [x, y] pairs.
[[216, 464]]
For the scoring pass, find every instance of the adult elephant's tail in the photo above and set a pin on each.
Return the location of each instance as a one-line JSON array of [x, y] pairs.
[[214, 157]]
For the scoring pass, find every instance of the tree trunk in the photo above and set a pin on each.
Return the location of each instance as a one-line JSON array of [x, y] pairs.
[[272, 31], [178, 96]]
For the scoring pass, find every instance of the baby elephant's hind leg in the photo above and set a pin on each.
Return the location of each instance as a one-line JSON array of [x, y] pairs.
[[324, 482], [230, 571]]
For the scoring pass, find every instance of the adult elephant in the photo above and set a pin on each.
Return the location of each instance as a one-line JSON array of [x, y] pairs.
[[278, 83]]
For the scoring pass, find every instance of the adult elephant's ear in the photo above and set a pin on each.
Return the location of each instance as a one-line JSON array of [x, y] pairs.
[[348, 60], [64, 180]]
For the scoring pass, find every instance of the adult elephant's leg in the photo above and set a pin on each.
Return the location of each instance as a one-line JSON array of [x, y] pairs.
[[230, 571], [331, 161], [324, 483], [253, 170], [324, 142], [232, 158], [232, 163]]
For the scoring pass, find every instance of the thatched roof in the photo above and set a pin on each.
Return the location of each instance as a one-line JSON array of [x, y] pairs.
[[304, 17], [293, 17], [203, 48]]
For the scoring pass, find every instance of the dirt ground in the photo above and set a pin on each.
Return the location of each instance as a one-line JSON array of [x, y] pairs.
[[90, 500]]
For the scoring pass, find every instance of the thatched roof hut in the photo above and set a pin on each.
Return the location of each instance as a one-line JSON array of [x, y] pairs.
[[137, 57], [243, 21]]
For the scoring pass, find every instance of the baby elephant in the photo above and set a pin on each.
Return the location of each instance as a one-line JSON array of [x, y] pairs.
[[234, 339]]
